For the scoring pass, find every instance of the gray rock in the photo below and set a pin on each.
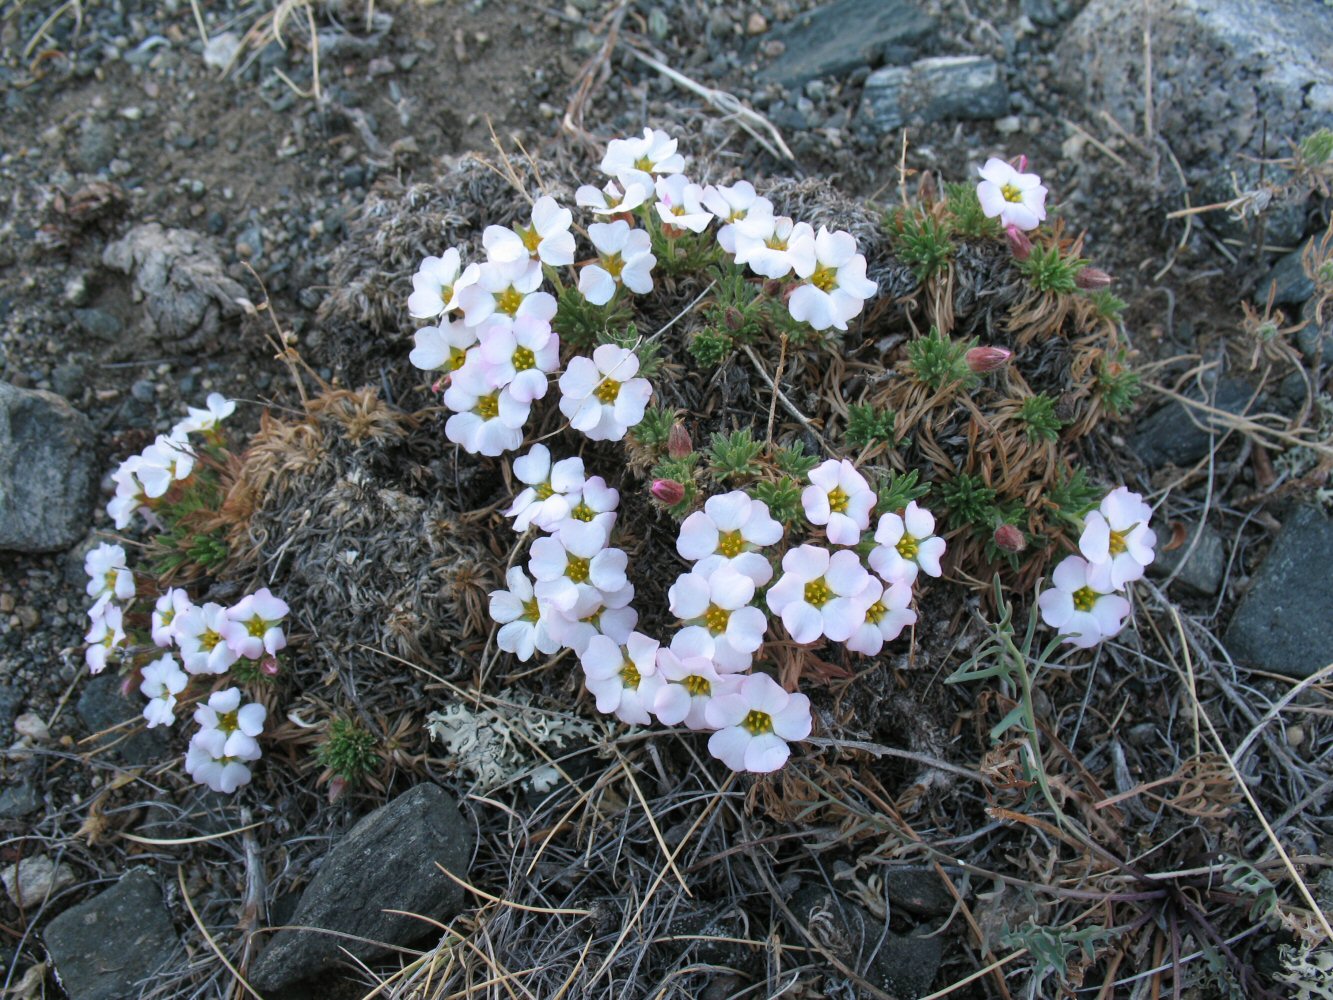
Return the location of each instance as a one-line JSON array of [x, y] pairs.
[[1202, 570], [386, 862], [106, 947], [838, 37], [97, 146], [1284, 218], [1179, 435], [1316, 337], [1283, 622], [11, 700], [1293, 286], [68, 380], [101, 706], [917, 889], [180, 278], [18, 797], [47, 474], [936, 89], [1221, 70], [98, 323]]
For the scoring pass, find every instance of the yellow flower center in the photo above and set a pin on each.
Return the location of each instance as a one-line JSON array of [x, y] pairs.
[[508, 301], [876, 612], [1011, 193], [907, 546], [530, 237], [817, 593], [613, 264], [168, 616], [256, 626], [545, 491], [576, 568], [716, 618], [697, 686], [531, 612], [524, 359], [1085, 598], [208, 639], [457, 357], [1117, 544], [644, 164], [837, 500], [825, 278], [583, 512], [775, 242], [757, 723], [607, 392], [677, 209], [227, 722], [488, 407], [109, 580], [731, 544], [629, 676]]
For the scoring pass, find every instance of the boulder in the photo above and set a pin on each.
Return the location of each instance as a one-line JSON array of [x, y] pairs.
[[936, 89], [839, 37]]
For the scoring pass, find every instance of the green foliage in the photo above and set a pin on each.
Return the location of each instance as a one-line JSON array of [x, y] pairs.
[[582, 324], [1048, 270], [348, 751], [647, 351], [732, 456], [1118, 387], [1107, 304], [710, 347], [736, 308], [794, 461], [684, 254], [898, 490], [783, 497], [922, 242], [1072, 496], [968, 499], [867, 424], [1316, 149], [966, 215], [937, 361], [655, 427], [1052, 948], [1038, 412], [1249, 880]]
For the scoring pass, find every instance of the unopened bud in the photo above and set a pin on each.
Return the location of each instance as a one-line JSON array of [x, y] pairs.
[[1010, 539], [987, 359], [678, 441], [668, 491], [437, 386], [269, 666], [1020, 162], [1019, 244], [772, 288], [1092, 278], [734, 318]]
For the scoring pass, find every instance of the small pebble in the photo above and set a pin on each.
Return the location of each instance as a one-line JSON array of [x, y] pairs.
[[28, 616], [757, 24], [6, 603]]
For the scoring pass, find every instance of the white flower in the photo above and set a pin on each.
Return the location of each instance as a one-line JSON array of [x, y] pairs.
[[167, 460], [1018, 199], [774, 246], [107, 572], [690, 682], [1117, 541], [834, 287], [754, 724], [681, 204], [519, 354], [575, 557], [1081, 612], [820, 594], [129, 493], [907, 543], [254, 625], [595, 613], [217, 409], [438, 284], [239, 724], [612, 199], [105, 636], [731, 205], [733, 526], [840, 498], [208, 763], [442, 348], [171, 604], [163, 679], [885, 619], [524, 621], [199, 636], [545, 501], [548, 239], [716, 602], [623, 679], [509, 288], [624, 257], [637, 161], [600, 396], [487, 420], [593, 503]]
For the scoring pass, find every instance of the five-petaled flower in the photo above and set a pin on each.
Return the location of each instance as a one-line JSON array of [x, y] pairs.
[[524, 622], [754, 724], [839, 498], [822, 594], [623, 679], [1018, 199], [1084, 614], [733, 526], [163, 679], [600, 395], [548, 239], [1117, 541], [907, 544], [438, 283], [624, 257], [714, 601], [834, 285]]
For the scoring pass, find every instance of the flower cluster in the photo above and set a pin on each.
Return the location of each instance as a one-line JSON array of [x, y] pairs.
[[1085, 602]]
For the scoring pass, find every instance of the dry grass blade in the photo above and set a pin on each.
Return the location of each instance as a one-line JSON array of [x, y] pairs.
[[199, 923]]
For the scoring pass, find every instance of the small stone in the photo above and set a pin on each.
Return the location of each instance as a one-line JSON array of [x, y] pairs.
[[102, 707], [98, 323], [756, 24], [1288, 279], [942, 88], [1203, 569], [97, 146], [76, 290], [68, 379], [28, 616], [35, 879], [834, 39], [1009, 124], [18, 798], [1178, 434], [1295, 736], [32, 726], [143, 391], [6, 603], [917, 889]]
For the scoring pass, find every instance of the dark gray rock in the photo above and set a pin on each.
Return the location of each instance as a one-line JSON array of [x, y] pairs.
[[98, 323], [935, 89], [1179, 434], [106, 947], [47, 473], [1316, 337], [839, 37], [101, 706], [917, 889], [1293, 285], [96, 146], [1201, 569], [1283, 622], [1284, 218], [386, 862], [1222, 70], [18, 797]]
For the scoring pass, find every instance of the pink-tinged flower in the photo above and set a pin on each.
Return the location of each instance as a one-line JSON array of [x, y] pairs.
[[217, 408], [907, 543], [107, 573], [623, 679], [438, 283], [199, 636], [509, 288], [548, 239], [1080, 611], [834, 289], [171, 604], [1018, 199], [822, 594], [519, 354], [681, 204], [639, 160], [987, 359], [1117, 541], [600, 396], [690, 681], [208, 763], [104, 638], [592, 503], [612, 199], [254, 625], [733, 526], [595, 613], [885, 619], [774, 246], [444, 348], [575, 557], [487, 420], [240, 725], [163, 679], [755, 723], [839, 498], [624, 257], [731, 205], [715, 602], [546, 499], [524, 622]]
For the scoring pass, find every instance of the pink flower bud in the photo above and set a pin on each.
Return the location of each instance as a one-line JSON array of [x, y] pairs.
[[772, 288], [1010, 539], [1092, 278], [269, 666], [668, 491], [734, 318], [1019, 244], [336, 787], [678, 441], [1020, 162], [437, 386], [987, 359]]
